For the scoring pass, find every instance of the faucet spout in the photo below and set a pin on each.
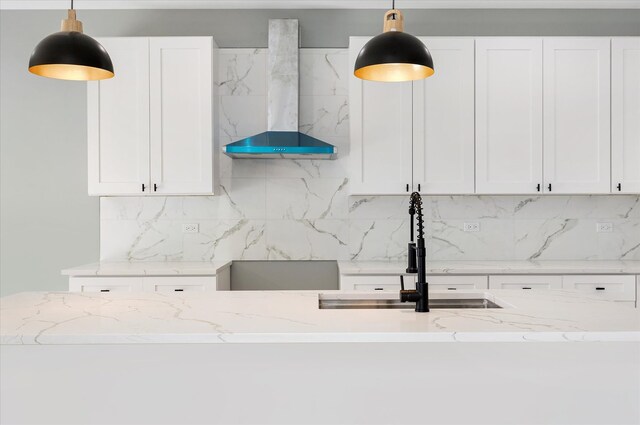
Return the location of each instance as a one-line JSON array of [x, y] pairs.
[[417, 259]]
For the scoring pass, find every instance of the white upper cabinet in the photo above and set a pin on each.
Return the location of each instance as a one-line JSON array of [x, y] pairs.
[[577, 93], [151, 126], [118, 121], [381, 145], [443, 131], [508, 115], [625, 115], [181, 115]]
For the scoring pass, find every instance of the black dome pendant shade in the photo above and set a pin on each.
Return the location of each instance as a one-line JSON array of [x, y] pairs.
[[71, 55], [394, 55]]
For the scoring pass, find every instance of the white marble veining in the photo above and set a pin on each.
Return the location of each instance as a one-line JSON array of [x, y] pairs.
[[275, 209], [148, 268], [494, 267], [294, 317]]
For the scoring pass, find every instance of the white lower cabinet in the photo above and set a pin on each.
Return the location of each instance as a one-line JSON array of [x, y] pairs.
[[525, 282], [375, 283], [608, 287], [453, 283], [146, 284], [180, 284], [105, 284], [392, 282]]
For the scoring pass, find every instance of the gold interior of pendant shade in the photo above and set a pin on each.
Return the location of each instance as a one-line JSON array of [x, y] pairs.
[[394, 72], [71, 72]]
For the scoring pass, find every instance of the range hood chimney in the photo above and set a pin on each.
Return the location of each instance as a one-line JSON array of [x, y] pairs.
[[282, 138]]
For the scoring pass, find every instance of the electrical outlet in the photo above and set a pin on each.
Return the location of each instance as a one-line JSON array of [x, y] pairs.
[[604, 227], [190, 228], [472, 227]]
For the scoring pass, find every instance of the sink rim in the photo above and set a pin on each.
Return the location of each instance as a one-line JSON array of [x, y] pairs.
[[393, 296]]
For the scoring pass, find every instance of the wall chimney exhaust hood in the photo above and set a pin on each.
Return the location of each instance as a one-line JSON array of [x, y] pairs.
[[282, 138]]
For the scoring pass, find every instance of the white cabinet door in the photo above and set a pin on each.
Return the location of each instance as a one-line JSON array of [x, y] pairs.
[[381, 127], [625, 114], [181, 115], [179, 283], [609, 287], [577, 115], [375, 282], [105, 284], [525, 282], [454, 283], [508, 115], [443, 114], [118, 121]]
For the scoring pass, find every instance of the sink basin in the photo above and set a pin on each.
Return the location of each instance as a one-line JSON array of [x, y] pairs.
[[388, 301]]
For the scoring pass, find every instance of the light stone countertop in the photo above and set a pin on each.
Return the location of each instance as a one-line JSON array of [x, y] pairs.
[[148, 268], [294, 317], [496, 267]]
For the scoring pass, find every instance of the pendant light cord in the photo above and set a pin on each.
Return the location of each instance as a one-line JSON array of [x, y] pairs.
[[72, 4]]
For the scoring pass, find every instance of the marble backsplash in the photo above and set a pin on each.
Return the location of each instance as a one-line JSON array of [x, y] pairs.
[[300, 209]]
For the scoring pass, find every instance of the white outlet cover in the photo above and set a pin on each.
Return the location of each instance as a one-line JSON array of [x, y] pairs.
[[190, 228], [472, 227], [604, 227]]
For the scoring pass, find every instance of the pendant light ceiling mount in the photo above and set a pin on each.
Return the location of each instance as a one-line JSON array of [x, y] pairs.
[[394, 55], [71, 55]]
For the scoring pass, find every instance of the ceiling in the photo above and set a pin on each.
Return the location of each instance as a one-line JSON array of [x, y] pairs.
[[321, 4]]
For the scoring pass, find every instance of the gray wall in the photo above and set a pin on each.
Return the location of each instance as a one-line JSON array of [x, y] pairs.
[[47, 220]]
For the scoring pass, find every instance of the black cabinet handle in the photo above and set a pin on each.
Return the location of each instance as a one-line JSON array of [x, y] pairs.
[[599, 288], [419, 187], [407, 187], [538, 187], [526, 287], [451, 289], [549, 187], [155, 187], [143, 187], [105, 290], [619, 186], [178, 290], [378, 289]]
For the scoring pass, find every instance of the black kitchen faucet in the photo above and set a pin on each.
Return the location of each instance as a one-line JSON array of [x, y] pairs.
[[417, 260]]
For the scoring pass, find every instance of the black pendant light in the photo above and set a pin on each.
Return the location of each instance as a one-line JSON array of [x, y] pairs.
[[70, 54], [394, 55]]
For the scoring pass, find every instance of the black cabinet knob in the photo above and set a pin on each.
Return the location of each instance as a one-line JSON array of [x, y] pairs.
[[155, 187], [143, 187], [538, 187], [619, 186], [549, 187]]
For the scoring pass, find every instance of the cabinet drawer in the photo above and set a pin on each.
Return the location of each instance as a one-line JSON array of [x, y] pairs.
[[525, 282], [610, 287], [453, 283], [375, 283], [179, 284], [105, 284]]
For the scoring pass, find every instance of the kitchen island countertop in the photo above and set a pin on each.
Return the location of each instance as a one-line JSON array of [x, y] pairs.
[[294, 316]]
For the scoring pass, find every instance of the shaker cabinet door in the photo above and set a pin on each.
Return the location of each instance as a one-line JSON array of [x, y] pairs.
[[182, 153], [118, 121], [625, 115], [443, 130], [577, 93], [508, 115], [381, 127]]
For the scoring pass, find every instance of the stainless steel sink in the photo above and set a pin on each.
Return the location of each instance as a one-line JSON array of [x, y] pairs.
[[374, 301]]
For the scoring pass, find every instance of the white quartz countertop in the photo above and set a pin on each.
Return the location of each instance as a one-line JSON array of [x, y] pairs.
[[496, 267], [294, 317], [150, 268]]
